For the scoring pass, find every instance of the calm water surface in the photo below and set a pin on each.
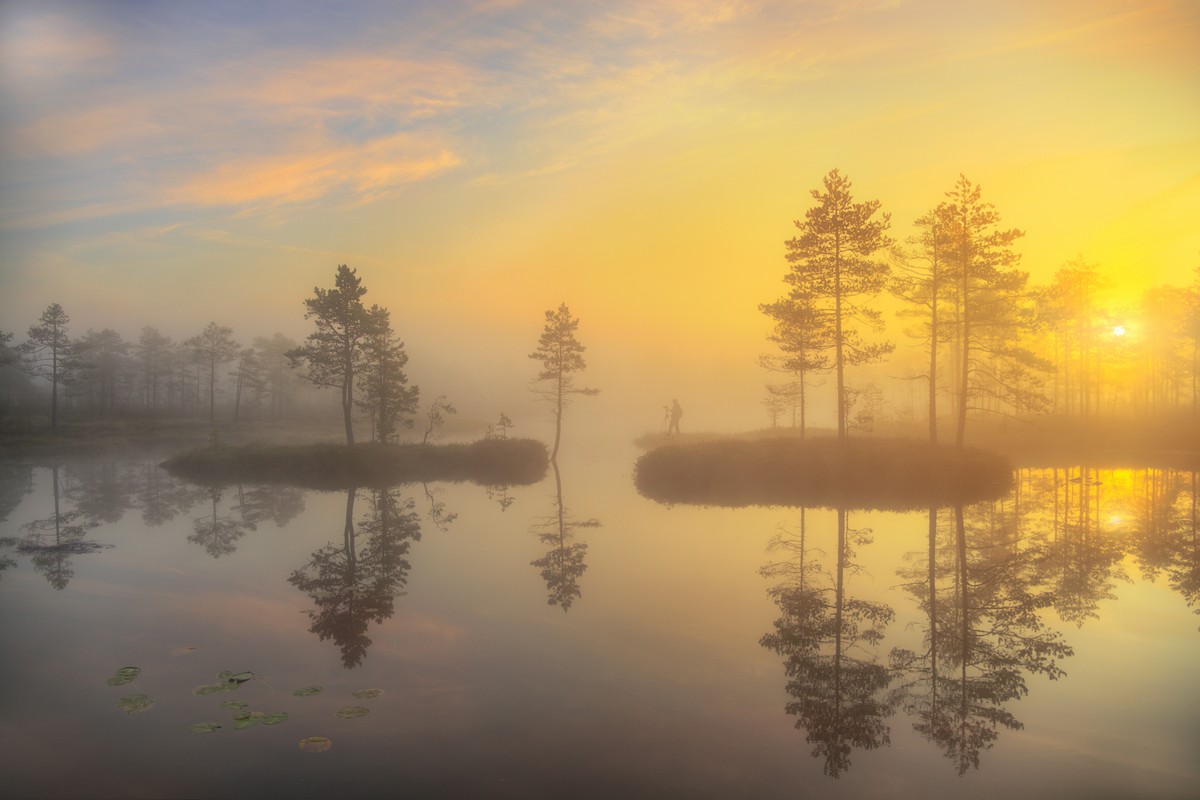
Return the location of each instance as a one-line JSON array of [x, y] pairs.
[[621, 648]]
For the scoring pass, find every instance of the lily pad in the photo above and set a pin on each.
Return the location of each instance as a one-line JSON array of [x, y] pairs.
[[366, 694], [352, 712], [204, 727], [214, 688], [135, 703], [275, 719], [235, 705], [235, 677], [315, 744], [307, 691], [248, 721], [125, 675]]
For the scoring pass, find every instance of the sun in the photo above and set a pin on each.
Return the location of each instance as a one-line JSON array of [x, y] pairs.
[[1118, 331]]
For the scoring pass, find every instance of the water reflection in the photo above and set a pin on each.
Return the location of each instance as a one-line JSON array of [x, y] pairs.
[[51, 541], [563, 564], [353, 586], [984, 633], [836, 681], [1166, 541], [983, 582], [15, 483]]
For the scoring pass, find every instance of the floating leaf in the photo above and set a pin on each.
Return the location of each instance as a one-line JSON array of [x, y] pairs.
[[366, 694], [315, 744], [214, 688], [307, 691], [275, 719], [352, 712], [234, 677], [182, 651], [204, 727], [135, 703], [247, 722], [125, 675], [235, 705]]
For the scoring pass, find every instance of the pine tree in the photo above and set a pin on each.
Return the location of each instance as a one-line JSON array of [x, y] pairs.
[[335, 351], [833, 268], [49, 353], [561, 355], [212, 347], [386, 395]]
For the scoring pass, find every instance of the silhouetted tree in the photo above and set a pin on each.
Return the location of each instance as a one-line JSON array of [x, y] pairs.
[[561, 355], [802, 334], [386, 395], [992, 307], [1069, 305], [335, 351], [104, 368], [153, 354], [833, 272], [212, 347], [248, 378], [500, 429], [276, 370], [921, 279], [439, 409], [49, 353]]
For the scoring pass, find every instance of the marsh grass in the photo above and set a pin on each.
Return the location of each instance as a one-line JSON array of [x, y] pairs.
[[886, 474], [337, 466]]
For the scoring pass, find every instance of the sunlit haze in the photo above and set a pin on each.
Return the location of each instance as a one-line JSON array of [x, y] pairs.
[[479, 163]]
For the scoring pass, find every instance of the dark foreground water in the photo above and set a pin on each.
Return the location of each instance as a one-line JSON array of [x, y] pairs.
[[620, 649]]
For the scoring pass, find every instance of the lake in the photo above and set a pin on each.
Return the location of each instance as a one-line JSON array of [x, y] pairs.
[[575, 639]]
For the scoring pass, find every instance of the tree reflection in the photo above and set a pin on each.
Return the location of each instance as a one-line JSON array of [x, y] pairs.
[[563, 564], [1167, 540], [218, 534], [836, 683], [52, 541], [15, 483], [1080, 562], [161, 497], [983, 634], [352, 588], [280, 504]]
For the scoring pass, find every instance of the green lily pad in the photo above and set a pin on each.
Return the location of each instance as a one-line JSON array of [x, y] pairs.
[[275, 719], [248, 721], [135, 703], [366, 694], [315, 744], [214, 688], [307, 691], [235, 677], [125, 675], [204, 727], [235, 705], [352, 712]]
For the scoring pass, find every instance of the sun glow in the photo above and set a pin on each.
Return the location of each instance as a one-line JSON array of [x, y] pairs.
[[1118, 331]]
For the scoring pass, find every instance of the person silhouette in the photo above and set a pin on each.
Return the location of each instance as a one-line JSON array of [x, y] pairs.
[[676, 413]]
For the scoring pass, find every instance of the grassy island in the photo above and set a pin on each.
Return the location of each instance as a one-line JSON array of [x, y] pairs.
[[338, 466], [894, 474]]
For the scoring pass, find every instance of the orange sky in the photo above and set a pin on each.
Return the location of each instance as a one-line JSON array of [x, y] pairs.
[[643, 162]]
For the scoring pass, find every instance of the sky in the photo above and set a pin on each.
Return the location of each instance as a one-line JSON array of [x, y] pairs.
[[478, 163]]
